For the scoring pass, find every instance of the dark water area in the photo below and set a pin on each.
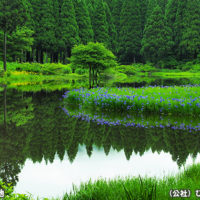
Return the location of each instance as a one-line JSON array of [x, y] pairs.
[[158, 81], [44, 149]]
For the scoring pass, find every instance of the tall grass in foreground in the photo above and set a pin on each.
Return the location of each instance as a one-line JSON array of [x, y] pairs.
[[177, 100], [138, 188], [130, 188]]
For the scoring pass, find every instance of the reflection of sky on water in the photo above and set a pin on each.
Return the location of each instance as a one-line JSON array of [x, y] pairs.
[[53, 180]]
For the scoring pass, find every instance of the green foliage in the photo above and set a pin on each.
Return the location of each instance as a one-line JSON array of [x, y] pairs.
[[81, 71], [144, 68], [43, 24], [156, 42], [130, 32], [134, 68], [126, 69], [175, 100], [19, 42], [13, 13], [9, 192], [189, 66], [93, 55], [99, 23], [190, 43], [86, 33], [69, 26], [111, 29], [162, 32], [46, 69], [132, 188]]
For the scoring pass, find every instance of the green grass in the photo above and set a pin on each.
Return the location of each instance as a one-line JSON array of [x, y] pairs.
[[137, 188], [129, 188], [45, 69], [175, 100], [176, 74], [36, 74]]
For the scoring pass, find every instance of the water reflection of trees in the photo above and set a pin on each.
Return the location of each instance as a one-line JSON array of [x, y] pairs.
[[15, 112], [48, 131]]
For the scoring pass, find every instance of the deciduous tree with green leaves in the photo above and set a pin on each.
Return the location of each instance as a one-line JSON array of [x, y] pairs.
[[13, 13], [93, 56]]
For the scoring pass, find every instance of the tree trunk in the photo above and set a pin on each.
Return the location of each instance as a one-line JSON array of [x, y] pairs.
[[69, 52], [46, 57], [28, 56], [60, 57], [63, 58], [37, 55], [55, 57], [22, 56], [51, 58], [33, 54], [93, 77], [96, 74], [41, 56], [90, 77], [5, 105], [4, 50]]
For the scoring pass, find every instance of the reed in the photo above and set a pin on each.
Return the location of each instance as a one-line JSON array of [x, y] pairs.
[[137, 188]]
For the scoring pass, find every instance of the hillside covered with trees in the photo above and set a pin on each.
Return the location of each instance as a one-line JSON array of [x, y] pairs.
[[162, 32]]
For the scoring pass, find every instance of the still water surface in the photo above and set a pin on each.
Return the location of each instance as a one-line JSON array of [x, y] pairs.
[[44, 151]]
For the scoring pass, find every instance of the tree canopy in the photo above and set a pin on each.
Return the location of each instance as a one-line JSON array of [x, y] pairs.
[[13, 13], [93, 56], [122, 26]]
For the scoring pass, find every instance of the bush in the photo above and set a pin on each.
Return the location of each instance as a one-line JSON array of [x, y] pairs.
[[66, 69], [81, 71], [46, 69], [134, 68], [54, 68], [126, 69], [144, 68], [169, 63], [195, 68], [9, 195]]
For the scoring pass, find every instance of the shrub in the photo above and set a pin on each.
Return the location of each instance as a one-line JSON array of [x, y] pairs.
[[46, 69], [81, 71], [126, 69], [144, 68], [9, 195]]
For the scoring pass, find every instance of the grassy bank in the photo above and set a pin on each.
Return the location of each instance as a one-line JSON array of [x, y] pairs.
[[35, 73], [130, 188], [25, 73], [138, 188], [162, 100], [176, 74]]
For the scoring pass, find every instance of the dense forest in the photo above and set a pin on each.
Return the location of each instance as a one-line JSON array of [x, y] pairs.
[[145, 31]]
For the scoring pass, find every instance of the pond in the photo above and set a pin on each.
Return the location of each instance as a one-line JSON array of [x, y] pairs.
[[44, 149]]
